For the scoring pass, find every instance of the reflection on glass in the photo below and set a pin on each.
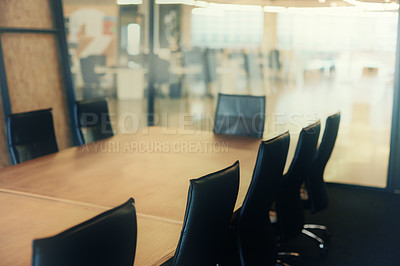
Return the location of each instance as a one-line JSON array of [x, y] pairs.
[[343, 59], [226, 26], [309, 62]]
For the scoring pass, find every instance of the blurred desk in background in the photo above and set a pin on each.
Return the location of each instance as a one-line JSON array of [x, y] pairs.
[[130, 81]]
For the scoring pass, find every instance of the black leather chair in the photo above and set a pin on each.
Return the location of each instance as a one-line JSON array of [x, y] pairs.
[[209, 208], [94, 120], [242, 115], [194, 58], [316, 189], [31, 135], [107, 239], [92, 80], [100, 59], [90, 77], [289, 208], [255, 237]]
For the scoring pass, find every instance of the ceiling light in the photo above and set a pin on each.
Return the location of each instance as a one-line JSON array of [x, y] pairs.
[[367, 6], [185, 2], [233, 7], [129, 2], [322, 1]]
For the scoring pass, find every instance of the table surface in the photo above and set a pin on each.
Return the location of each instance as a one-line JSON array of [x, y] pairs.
[[153, 165], [27, 217]]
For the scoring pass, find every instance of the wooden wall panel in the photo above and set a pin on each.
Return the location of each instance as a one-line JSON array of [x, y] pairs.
[[26, 13], [34, 79], [4, 153]]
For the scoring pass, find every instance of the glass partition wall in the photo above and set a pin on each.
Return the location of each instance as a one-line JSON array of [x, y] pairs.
[[308, 62], [342, 59], [107, 48]]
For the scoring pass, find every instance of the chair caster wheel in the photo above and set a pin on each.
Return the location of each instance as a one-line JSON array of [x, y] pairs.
[[323, 249]]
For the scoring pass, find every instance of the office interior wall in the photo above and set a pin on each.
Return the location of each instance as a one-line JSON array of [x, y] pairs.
[[186, 37], [33, 68], [25, 14], [34, 79], [270, 37]]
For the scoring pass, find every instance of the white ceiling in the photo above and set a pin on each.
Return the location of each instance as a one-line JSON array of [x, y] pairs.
[[286, 3], [294, 3]]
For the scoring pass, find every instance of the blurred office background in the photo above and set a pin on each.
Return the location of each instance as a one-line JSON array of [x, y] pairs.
[[310, 59]]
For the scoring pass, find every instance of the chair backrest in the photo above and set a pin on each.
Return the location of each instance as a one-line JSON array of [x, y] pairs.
[[255, 237], [242, 115], [288, 204], [99, 60], [89, 76], [316, 188], [210, 64], [94, 120], [161, 70], [274, 61], [209, 208], [195, 58], [252, 66], [107, 239], [31, 135]]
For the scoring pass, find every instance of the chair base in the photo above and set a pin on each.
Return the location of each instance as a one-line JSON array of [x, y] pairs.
[[317, 226], [281, 263], [292, 254], [295, 257], [320, 227], [321, 243]]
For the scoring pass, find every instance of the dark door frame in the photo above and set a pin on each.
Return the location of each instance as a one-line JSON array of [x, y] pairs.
[[393, 178]]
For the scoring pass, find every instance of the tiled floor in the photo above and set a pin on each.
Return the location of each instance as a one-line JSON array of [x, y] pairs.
[[365, 102]]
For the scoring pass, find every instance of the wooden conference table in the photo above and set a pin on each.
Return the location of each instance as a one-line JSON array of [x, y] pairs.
[[46, 195], [26, 217]]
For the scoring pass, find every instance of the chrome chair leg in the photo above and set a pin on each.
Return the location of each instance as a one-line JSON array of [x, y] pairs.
[[323, 228], [316, 226], [320, 241], [281, 263], [281, 257], [292, 254]]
